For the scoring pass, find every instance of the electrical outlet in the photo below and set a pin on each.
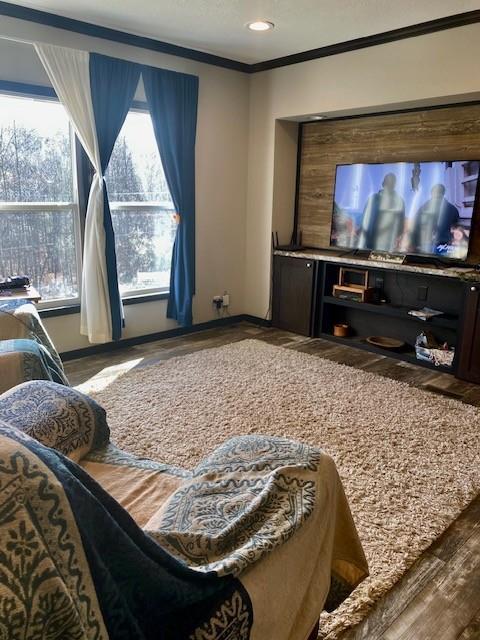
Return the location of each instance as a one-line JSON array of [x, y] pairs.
[[217, 301]]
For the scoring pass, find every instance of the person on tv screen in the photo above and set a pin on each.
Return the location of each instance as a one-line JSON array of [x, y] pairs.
[[383, 218], [434, 222], [458, 245]]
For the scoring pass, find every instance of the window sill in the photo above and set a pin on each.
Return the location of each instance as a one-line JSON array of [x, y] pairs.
[[67, 310], [144, 297]]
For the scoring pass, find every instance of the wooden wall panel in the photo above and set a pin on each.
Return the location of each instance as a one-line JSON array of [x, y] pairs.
[[450, 133]]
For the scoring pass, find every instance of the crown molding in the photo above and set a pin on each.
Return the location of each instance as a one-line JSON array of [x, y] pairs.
[[115, 35], [105, 33], [412, 31]]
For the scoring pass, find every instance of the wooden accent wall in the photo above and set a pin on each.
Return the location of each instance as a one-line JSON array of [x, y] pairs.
[[450, 133]]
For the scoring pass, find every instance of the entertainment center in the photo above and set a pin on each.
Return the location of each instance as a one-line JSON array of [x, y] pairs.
[[303, 303], [388, 184]]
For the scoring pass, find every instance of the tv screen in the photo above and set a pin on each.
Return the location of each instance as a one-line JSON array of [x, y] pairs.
[[405, 207]]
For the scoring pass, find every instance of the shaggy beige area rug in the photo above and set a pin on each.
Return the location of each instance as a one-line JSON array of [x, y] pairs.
[[408, 458]]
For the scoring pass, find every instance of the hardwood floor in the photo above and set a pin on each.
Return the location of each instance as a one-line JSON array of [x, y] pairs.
[[439, 597]]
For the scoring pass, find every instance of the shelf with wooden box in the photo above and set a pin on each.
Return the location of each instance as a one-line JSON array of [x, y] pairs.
[[353, 285], [310, 301], [396, 293]]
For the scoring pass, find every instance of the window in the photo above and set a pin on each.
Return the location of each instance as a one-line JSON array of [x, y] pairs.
[[39, 217], [39, 213], [142, 208]]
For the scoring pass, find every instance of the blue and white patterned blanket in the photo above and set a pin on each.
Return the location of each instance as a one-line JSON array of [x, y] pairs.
[[26, 351], [250, 496], [73, 563], [28, 360], [258, 537]]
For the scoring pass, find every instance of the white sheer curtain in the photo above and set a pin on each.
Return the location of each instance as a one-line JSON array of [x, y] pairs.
[[69, 73]]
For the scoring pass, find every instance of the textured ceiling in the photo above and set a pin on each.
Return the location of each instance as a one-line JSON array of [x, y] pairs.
[[218, 26]]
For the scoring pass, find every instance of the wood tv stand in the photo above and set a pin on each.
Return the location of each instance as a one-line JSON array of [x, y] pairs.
[[303, 303]]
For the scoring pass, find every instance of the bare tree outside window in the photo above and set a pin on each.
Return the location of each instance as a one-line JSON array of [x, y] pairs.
[[141, 207], [37, 206]]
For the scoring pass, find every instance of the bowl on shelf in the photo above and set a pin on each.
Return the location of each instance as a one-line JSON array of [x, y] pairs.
[[385, 343]]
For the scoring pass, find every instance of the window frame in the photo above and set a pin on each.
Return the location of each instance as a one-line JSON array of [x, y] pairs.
[[64, 306], [47, 94]]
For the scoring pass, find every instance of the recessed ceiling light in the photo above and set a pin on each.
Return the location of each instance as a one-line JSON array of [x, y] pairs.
[[260, 25]]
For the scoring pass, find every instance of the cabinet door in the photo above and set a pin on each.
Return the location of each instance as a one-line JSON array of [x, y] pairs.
[[293, 280], [469, 353]]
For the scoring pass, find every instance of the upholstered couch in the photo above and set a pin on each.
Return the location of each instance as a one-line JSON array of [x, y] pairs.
[[98, 543], [26, 351]]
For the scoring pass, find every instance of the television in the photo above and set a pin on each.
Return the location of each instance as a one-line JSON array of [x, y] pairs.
[[421, 208]]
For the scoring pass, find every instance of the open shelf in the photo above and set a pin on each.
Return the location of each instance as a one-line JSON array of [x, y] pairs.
[[405, 292], [447, 321], [407, 354]]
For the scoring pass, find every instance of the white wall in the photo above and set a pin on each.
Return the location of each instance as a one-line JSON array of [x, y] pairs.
[[221, 165], [432, 69]]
